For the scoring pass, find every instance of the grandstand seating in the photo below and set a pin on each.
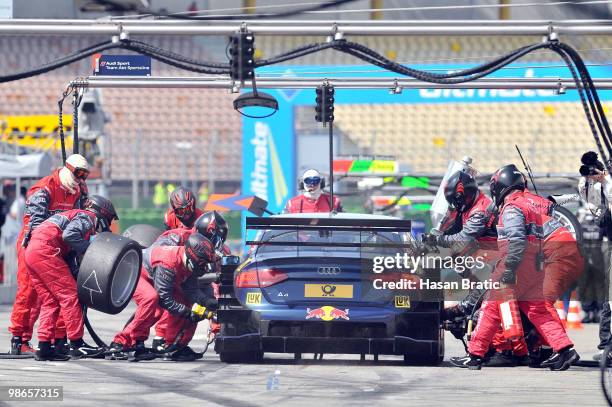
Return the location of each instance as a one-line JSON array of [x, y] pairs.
[[552, 135]]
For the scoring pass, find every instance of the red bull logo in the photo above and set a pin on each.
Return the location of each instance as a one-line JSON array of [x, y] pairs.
[[327, 313]]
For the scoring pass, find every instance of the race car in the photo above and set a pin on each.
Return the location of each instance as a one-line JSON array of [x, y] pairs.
[[308, 286]]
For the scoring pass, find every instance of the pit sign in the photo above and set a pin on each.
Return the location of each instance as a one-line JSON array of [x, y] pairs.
[[121, 65]]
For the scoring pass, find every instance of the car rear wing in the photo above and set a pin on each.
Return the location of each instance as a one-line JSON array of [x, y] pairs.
[[330, 225]]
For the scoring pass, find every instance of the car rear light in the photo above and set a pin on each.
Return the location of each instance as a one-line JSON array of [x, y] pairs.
[[268, 277], [259, 278], [246, 279]]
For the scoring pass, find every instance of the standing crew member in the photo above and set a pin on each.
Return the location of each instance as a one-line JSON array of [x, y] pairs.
[[313, 199], [50, 244], [183, 211], [63, 190], [170, 282], [520, 237], [477, 237]]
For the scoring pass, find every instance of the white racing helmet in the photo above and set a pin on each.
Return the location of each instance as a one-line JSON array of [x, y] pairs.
[[75, 170]]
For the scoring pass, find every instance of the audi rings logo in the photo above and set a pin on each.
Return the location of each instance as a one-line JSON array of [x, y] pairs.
[[329, 270]]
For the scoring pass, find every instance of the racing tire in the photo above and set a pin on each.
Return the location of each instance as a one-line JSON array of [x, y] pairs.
[[569, 220], [241, 357], [144, 234], [109, 273]]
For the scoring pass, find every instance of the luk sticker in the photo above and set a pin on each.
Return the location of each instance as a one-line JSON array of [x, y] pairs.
[[327, 313], [402, 301], [253, 298]]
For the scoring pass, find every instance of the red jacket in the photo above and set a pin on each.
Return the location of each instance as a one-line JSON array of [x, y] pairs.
[[48, 197], [168, 272], [302, 204], [68, 231], [172, 222]]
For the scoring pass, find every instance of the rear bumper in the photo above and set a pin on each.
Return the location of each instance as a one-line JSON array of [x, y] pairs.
[[398, 345]]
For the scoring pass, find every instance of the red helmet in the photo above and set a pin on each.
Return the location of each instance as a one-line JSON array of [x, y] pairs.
[[200, 254], [183, 203], [214, 227]]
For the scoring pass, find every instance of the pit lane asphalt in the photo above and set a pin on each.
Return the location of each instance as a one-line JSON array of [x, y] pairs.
[[336, 380]]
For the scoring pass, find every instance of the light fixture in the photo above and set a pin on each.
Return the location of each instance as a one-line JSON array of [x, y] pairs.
[[256, 105]]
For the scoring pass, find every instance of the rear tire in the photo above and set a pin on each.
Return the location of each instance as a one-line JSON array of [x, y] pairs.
[[241, 357], [144, 234]]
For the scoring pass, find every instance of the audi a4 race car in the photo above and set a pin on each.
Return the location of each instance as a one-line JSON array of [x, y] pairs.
[[308, 286]]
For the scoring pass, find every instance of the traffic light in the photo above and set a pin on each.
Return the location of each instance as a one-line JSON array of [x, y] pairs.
[[324, 110], [242, 59]]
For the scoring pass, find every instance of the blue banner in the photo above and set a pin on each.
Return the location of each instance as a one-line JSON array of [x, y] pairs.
[[121, 65], [292, 97], [268, 158]]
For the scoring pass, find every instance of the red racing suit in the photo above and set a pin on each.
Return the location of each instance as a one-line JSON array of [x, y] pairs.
[[51, 243], [173, 222], [165, 286], [44, 199], [178, 237], [303, 204], [521, 231]]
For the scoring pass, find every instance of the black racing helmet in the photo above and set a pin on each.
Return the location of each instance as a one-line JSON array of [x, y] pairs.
[[104, 210], [505, 180], [461, 191], [183, 202], [200, 254], [214, 227]]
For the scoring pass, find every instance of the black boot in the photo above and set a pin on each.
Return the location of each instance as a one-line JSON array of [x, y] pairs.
[[183, 354], [61, 346], [79, 349], [537, 357], [116, 351], [501, 359], [562, 360], [468, 361], [143, 353], [158, 345], [15, 345], [46, 352]]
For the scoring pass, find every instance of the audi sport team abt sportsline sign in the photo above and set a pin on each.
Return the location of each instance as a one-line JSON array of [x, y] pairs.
[[121, 65]]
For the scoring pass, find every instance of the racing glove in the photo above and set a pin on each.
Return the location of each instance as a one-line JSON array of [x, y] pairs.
[[508, 277], [429, 239], [199, 313]]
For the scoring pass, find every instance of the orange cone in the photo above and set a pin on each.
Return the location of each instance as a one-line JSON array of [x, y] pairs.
[[561, 312], [574, 315]]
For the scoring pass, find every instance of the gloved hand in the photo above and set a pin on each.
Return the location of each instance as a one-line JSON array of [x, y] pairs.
[[508, 277], [449, 314], [429, 239], [199, 313]]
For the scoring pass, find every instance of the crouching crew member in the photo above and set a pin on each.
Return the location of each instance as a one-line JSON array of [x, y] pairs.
[[519, 272], [212, 226], [313, 199], [50, 244], [63, 190], [169, 282], [182, 212]]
